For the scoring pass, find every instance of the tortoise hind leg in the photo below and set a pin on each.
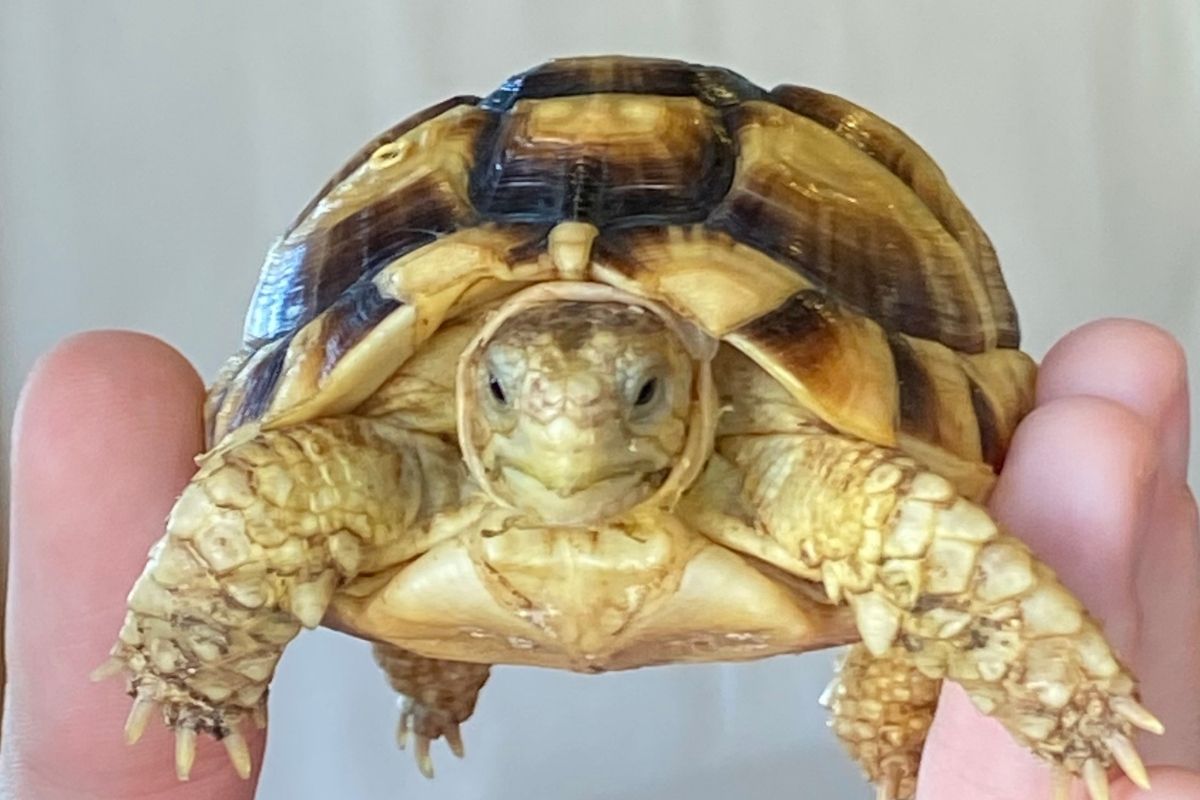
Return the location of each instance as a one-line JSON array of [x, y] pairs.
[[436, 697], [881, 709]]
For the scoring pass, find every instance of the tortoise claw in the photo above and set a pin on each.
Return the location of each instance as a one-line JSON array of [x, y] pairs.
[[259, 715], [1062, 784], [454, 740], [423, 726], [1130, 762], [185, 738], [112, 666], [185, 752], [139, 715], [889, 787], [424, 761], [1096, 778], [239, 754], [1137, 714]]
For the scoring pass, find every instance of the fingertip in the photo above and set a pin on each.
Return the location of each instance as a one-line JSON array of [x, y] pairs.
[[1129, 355], [99, 361], [1166, 783], [1134, 363]]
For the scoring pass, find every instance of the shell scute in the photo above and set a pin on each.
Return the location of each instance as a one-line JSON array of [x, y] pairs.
[[835, 361], [894, 149], [806, 196], [375, 214], [808, 232], [608, 159]]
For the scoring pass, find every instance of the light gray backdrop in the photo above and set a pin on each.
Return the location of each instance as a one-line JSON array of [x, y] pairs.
[[150, 151]]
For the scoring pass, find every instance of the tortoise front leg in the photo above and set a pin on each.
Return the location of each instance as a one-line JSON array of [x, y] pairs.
[[255, 547], [438, 696], [930, 571], [881, 708]]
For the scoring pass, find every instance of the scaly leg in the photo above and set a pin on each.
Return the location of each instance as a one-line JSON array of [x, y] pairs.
[[255, 547], [882, 708], [437, 697], [927, 569]]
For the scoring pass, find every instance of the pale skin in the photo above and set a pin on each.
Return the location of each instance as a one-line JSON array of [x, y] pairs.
[[1112, 407]]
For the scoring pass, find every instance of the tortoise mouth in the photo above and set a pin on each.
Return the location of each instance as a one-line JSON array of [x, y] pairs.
[[599, 499]]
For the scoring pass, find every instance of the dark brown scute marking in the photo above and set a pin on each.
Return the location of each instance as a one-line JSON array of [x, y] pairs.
[[802, 330], [303, 276], [220, 389], [625, 249], [918, 394], [213, 401], [608, 74], [904, 158], [518, 180], [260, 380], [616, 249], [534, 241], [350, 318], [391, 134], [991, 437], [846, 259]]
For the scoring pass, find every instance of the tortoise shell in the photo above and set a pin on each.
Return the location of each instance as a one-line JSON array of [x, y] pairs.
[[805, 231]]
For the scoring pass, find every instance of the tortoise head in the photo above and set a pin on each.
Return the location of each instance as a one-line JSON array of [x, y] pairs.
[[577, 403]]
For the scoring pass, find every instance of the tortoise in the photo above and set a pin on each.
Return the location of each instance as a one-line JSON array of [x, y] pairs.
[[630, 362]]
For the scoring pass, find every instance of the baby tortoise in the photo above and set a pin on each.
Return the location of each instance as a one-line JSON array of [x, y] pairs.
[[631, 362]]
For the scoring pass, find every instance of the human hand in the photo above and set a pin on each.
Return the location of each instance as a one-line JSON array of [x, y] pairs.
[[103, 443], [1096, 484], [121, 410]]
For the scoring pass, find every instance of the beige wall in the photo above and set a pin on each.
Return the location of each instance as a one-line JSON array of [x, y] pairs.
[[149, 152]]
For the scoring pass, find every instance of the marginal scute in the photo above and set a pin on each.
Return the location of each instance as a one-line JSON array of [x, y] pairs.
[[1002, 392], [935, 396], [409, 300], [834, 361]]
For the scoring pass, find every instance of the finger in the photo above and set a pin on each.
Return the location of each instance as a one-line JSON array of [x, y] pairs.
[[106, 429], [1144, 368], [1073, 488], [1134, 363], [1169, 783]]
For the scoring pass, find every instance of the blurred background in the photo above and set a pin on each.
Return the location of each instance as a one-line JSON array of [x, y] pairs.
[[149, 153]]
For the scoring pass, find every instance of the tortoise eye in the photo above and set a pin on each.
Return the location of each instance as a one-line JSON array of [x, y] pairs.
[[497, 390], [647, 392]]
